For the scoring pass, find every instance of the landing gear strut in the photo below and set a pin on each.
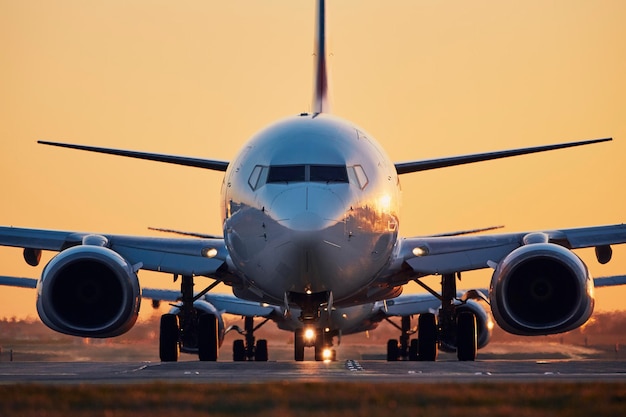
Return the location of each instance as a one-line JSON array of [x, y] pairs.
[[317, 338], [188, 328], [247, 349], [451, 329], [456, 329], [407, 349]]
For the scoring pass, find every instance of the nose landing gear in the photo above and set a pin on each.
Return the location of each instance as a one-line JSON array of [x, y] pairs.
[[247, 349]]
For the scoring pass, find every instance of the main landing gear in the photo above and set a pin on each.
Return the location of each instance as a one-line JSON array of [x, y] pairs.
[[189, 329], [453, 329]]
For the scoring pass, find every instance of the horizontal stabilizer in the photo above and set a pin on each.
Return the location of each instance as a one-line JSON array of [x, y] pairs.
[[18, 282], [212, 164], [428, 164], [610, 281]]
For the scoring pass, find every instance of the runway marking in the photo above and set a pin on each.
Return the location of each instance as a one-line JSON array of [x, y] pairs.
[[353, 365]]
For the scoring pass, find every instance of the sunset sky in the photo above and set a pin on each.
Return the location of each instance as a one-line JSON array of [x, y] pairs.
[[426, 78]]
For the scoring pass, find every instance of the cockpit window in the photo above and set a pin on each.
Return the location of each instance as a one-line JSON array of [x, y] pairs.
[[286, 173], [328, 173], [357, 176]]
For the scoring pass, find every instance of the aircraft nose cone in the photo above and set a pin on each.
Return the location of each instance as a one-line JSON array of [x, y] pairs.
[[308, 208]]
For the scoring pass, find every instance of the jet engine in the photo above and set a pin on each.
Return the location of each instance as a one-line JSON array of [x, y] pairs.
[[540, 289], [88, 291]]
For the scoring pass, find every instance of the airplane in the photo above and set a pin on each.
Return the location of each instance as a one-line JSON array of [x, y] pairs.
[[310, 214]]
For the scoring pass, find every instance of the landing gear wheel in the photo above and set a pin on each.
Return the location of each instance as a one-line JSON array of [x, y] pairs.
[[169, 335], [298, 343], [207, 338], [260, 353], [239, 351], [319, 345], [413, 350], [466, 336], [427, 337], [392, 350]]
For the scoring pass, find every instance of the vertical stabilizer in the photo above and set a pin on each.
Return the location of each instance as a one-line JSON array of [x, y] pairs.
[[320, 94]]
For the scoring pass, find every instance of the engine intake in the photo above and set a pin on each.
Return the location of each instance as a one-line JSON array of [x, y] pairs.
[[541, 289], [89, 291]]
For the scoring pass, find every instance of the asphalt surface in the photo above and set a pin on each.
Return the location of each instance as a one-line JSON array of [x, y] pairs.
[[287, 371]]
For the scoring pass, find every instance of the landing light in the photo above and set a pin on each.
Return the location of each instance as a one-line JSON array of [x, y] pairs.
[[209, 252], [309, 334], [327, 355], [420, 251]]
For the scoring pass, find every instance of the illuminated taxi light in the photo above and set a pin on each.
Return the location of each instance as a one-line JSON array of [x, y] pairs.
[[309, 334], [327, 355], [209, 252], [420, 251]]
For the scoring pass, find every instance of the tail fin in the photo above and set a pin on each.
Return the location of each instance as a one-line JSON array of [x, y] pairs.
[[320, 94]]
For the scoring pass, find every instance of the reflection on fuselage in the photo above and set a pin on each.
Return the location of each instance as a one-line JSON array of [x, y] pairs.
[[310, 206]]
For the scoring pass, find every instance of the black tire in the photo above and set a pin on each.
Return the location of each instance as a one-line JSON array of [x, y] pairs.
[[208, 340], [466, 336], [261, 353], [169, 338], [393, 351], [427, 337], [319, 345], [298, 343], [239, 351], [413, 350]]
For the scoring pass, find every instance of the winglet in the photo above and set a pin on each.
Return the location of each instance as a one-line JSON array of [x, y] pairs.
[[320, 93]]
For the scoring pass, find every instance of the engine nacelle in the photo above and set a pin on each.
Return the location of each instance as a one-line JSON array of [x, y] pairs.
[[540, 289], [88, 291]]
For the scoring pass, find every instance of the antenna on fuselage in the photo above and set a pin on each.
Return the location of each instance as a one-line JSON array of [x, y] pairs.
[[320, 93]]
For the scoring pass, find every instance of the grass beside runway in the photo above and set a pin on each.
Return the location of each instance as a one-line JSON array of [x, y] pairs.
[[315, 399]]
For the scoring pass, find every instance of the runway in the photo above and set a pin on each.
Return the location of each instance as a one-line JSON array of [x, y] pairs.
[[345, 371]]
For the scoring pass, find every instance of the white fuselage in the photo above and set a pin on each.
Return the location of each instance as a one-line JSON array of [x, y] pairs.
[[310, 206]]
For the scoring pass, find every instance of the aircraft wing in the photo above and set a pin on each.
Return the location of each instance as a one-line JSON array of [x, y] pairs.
[[182, 256], [450, 254]]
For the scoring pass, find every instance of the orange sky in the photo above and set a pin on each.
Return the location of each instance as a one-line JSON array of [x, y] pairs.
[[198, 78]]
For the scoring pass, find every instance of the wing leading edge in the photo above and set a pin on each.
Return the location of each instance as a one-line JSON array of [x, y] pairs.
[[443, 255], [182, 256]]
